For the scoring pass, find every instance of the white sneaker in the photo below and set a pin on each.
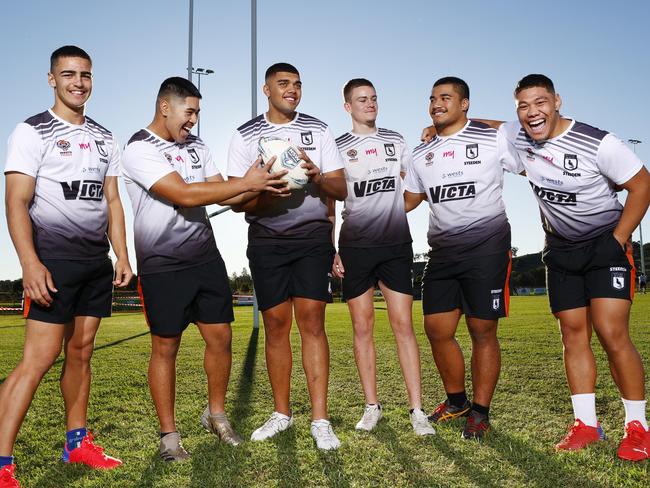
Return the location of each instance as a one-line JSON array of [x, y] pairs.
[[371, 415], [321, 431], [420, 422], [276, 423]]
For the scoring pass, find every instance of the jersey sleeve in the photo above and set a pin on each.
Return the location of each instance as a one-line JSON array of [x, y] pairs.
[[507, 153], [211, 168], [407, 158], [330, 154], [114, 163], [143, 163], [617, 161], [24, 151], [412, 182], [238, 160]]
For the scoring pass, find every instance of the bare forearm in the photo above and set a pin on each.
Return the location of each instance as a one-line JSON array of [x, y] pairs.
[[332, 186], [117, 229], [241, 199], [200, 194], [20, 230]]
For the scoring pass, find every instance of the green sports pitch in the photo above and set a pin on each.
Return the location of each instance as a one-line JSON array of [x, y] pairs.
[[530, 413]]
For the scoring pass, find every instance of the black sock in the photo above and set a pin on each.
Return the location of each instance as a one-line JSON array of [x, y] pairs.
[[457, 399], [485, 411], [163, 434]]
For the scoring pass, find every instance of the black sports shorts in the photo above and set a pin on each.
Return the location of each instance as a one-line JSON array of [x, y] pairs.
[[173, 299], [364, 267], [479, 286]]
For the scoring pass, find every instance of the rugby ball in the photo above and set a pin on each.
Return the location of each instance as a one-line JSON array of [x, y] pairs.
[[287, 157]]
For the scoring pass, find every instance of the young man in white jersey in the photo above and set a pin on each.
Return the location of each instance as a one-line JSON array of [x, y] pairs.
[[290, 249], [170, 175], [375, 248], [575, 170], [460, 173], [63, 207]]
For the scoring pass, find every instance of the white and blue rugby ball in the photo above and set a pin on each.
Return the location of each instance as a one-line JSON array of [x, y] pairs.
[[288, 158]]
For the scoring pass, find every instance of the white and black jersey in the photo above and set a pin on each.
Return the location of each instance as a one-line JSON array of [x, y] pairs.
[[303, 215], [573, 177], [374, 208], [462, 177], [69, 213], [167, 237]]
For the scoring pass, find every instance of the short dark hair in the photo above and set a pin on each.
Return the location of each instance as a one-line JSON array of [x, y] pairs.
[[280, 67], [459, 85], [352, 84], [533, 80], [179, 87], [68, 52]]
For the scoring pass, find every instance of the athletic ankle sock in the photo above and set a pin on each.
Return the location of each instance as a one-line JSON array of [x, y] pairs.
[[457, 399], [163, 434], [74, 437], [635, 410], [6, 460], [483, 410], [584, 408]]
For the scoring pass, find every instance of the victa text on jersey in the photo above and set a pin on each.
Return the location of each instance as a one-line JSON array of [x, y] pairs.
[[370, 187], [453, 191]]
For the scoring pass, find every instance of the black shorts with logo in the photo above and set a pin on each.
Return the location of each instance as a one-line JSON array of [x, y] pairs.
[[85, 288], [364, 267], [281, 271], [173, 299], [479, 286], [599, 268]]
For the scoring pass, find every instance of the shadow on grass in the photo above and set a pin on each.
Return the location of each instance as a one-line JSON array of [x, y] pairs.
[[245, 384], [333, 468], [520, 455], [153, 473], [289, 473], [217, 464], [60, 474], [405, 456]]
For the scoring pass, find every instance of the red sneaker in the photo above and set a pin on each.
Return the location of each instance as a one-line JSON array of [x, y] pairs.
[[635, 445], [90, 454], [7, 479], [579, 436]]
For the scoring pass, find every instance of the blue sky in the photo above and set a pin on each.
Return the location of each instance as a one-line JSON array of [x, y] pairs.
[[596, 53]]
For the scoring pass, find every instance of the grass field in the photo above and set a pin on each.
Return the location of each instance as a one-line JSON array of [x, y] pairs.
[[530, 412]]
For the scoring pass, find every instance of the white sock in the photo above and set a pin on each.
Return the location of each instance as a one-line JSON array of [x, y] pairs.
[[584, 408], [635, 410]]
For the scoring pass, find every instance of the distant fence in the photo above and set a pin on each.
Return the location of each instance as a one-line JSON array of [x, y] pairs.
[[529, 291]]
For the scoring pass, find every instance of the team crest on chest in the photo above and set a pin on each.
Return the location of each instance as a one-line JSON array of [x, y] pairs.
[[307, 138], [390, 149], [352, 154], [428, 157], [471, 151], [101, 148], [570, 162], [194, 157]]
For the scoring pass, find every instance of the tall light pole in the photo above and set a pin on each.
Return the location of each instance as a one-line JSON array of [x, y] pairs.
[[200, 72], [190, 41], [634, 143]]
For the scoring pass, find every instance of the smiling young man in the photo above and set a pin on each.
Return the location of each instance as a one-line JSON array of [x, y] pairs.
[[460, 173], [63, 207], [575, 170], [170, 175], [375, 247], [290, 248]]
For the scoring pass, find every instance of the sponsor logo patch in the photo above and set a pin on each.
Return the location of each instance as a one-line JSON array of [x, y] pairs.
[[448, 154], [307, 138], [371, 151], [570, 162], [101, 148], [193, 155]]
